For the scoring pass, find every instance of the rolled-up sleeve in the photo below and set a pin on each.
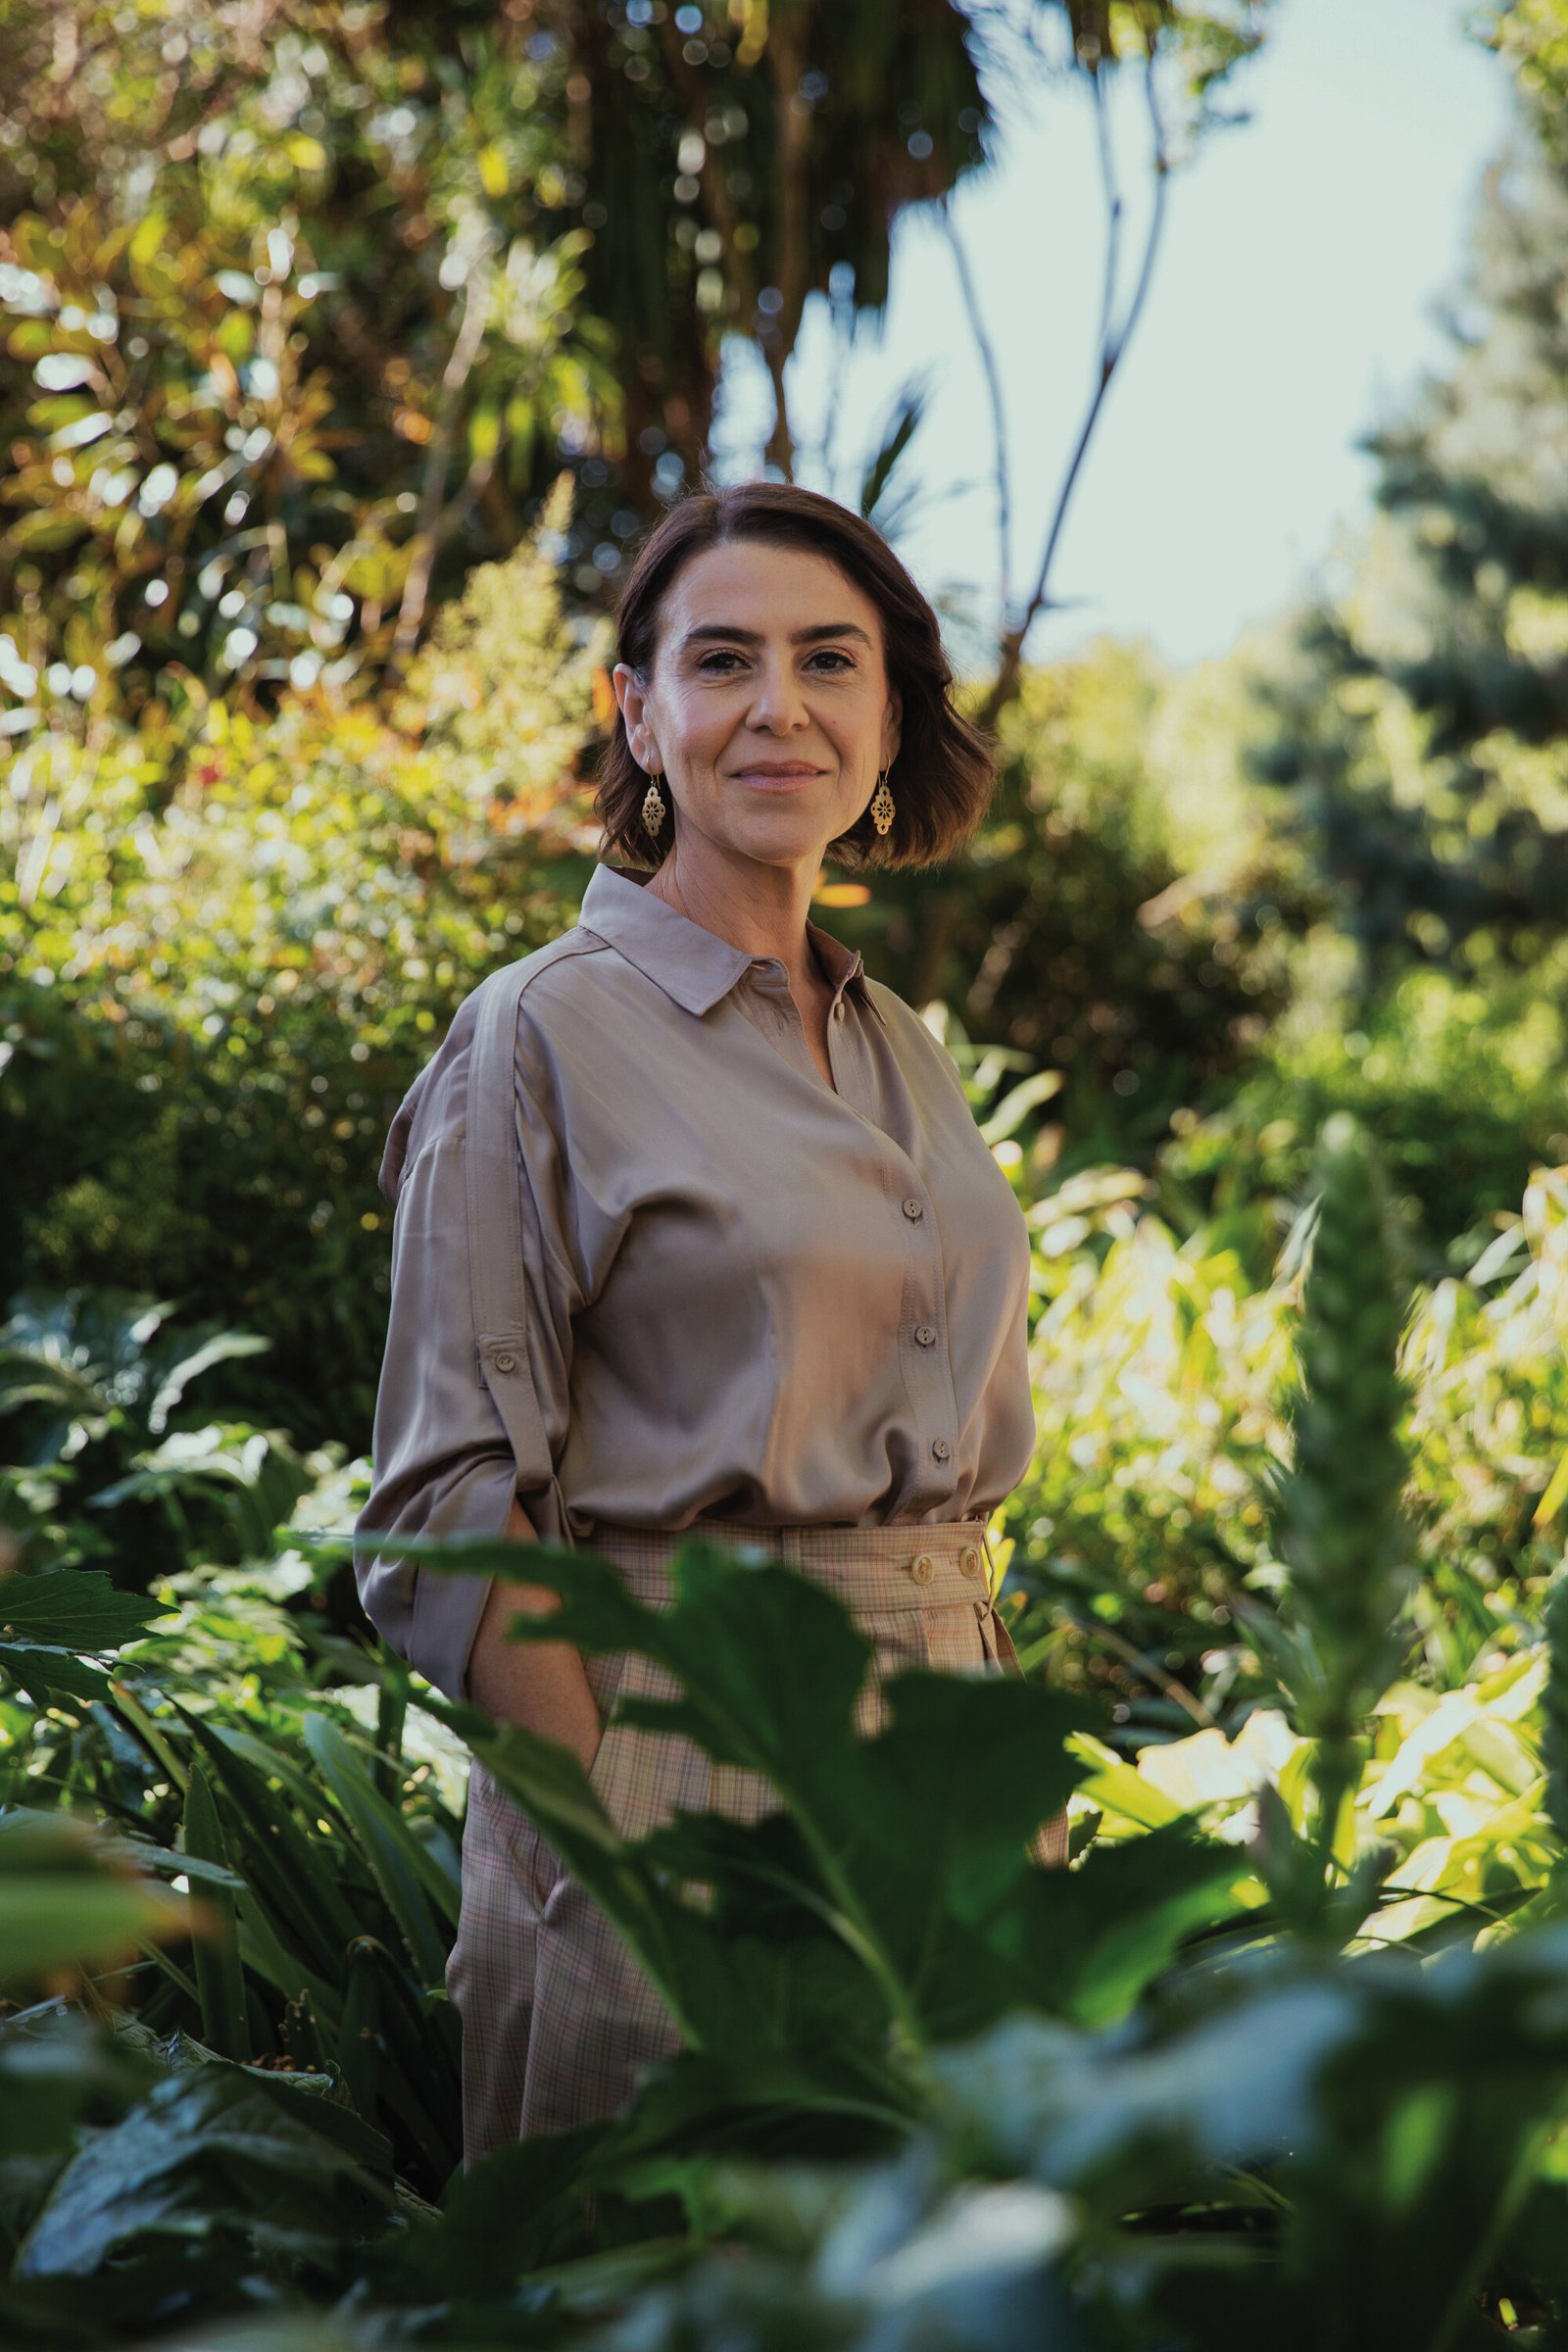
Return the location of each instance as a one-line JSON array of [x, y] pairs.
[[447, 1457]]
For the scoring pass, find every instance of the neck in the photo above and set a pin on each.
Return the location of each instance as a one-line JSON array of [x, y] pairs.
[[760, 908]]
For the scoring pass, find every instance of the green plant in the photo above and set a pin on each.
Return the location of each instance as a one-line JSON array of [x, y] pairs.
[[1162, 1370], [91, 1392], [1280, 2049], [1456, 1076], [915, 1912], [210, 1728], [219, 975], [1338, 1529]]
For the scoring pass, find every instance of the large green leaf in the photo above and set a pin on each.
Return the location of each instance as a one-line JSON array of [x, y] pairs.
[[76, 1608], [216, 2154], [46, 1672], [56, 2067], [47, 1620], [1400, 2118], [891, 1902], [520, 2207]]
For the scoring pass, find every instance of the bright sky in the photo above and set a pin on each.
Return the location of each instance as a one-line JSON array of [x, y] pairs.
[[1292, 302]]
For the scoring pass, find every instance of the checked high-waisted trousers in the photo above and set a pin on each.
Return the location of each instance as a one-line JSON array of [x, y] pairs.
[[558, 2016]]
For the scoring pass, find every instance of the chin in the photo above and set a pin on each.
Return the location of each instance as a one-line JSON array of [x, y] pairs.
[[776, 852], [778, 833]]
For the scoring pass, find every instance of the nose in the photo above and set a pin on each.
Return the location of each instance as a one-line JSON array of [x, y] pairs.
[[777, 701]]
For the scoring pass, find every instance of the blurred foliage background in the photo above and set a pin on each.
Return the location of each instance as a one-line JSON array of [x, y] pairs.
[[346, 349]]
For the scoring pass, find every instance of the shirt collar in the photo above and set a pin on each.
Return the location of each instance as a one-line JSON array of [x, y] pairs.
[[692, 966]]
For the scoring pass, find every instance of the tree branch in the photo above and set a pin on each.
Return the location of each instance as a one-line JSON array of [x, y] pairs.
[[1006, 686], [428, 529], [786, 57], [993, 375]]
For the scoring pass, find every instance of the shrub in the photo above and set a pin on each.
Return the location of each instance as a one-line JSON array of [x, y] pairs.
[[1161, 1371], [1460, 1082], [218, 979]]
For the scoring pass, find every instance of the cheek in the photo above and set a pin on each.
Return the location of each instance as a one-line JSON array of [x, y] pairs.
[[702, 726], [855, 723]]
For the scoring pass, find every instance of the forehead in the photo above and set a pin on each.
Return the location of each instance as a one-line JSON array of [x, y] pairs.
[[764, 587]]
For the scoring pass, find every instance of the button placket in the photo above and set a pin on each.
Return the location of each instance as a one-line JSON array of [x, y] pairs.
[[768, 978], [929, 1377], [929, 1390]]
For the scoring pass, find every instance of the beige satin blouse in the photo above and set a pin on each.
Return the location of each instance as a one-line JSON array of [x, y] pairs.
[[702, 1282]]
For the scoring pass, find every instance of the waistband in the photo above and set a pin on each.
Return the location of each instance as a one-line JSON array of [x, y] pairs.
[[901, 1565]]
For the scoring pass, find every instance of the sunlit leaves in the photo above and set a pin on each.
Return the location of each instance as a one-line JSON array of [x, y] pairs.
[[229, 346]]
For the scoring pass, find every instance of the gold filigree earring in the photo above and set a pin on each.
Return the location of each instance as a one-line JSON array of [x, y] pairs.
[[882, 803], [654, 810]]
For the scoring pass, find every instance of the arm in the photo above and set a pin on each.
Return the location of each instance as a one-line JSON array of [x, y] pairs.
[[543, 1685], [473, 1404]]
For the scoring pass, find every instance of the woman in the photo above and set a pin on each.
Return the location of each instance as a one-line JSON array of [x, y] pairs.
[[693, 1224]]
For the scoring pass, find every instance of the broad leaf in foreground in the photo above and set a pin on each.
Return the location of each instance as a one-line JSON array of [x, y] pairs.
[[812, 1959]]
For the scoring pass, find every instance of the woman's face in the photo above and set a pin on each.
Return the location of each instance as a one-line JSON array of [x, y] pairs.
[[769, 658]]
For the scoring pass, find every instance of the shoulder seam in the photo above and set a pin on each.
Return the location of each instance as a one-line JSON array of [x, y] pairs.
[[575, 942]]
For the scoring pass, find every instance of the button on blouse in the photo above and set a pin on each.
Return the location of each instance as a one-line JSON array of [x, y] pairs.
[[744, 1294]]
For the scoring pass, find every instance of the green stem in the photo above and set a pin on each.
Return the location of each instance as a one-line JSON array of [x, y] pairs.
[[391, 1715], [1336, 1774]]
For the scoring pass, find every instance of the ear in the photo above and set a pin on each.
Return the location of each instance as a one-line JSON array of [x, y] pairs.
[[632, 695], [892, 727]]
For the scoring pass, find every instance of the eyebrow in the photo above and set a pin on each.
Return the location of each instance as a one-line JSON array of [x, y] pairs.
[[720, 628]]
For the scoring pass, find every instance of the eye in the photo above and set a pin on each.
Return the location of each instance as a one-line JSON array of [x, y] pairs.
[[835, 659], [826, 653]]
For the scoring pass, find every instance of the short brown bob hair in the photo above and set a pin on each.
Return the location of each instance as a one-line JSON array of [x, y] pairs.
[[945, 774]]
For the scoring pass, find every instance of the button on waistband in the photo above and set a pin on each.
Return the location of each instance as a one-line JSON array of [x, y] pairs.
[[923, 1568], [969, 1561]]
